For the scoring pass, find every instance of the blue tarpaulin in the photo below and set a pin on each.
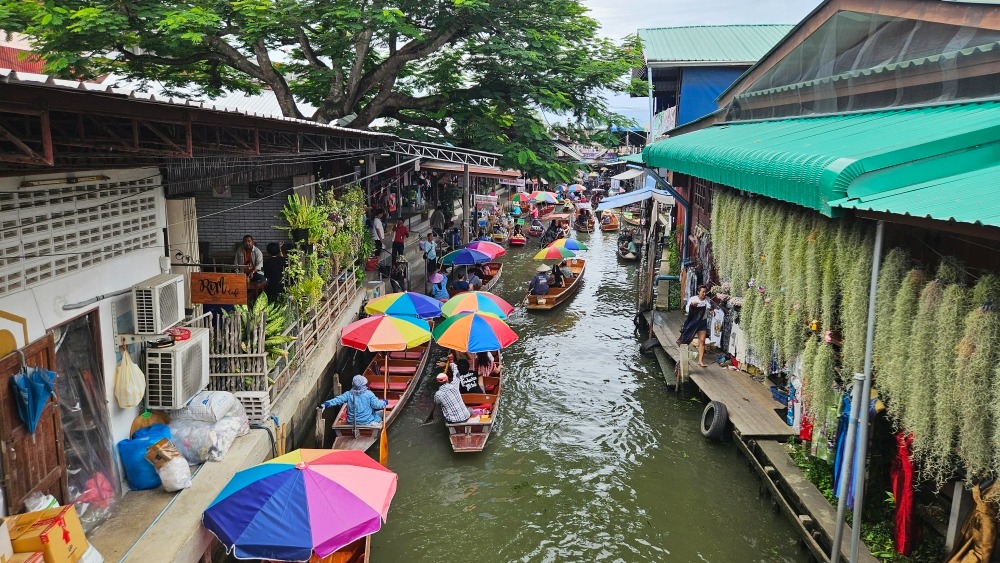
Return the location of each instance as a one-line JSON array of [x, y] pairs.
[[699, 89], [634, 197]]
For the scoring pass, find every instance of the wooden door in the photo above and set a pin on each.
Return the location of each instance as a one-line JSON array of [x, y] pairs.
[[36, 463]]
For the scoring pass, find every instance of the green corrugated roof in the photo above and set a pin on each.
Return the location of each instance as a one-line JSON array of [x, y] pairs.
[[710, 43], [813, 161], [634, 158], [971, 197]]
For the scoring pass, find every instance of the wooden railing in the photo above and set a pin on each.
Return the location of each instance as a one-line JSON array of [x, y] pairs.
[[237, 355]]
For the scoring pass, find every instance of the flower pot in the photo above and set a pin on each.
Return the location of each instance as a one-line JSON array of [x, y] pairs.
[[300, 235]]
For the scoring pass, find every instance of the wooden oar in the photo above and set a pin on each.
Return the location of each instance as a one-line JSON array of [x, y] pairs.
[[383, 446]]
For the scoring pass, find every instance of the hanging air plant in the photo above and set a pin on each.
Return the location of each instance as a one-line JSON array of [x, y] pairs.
[[951, 270], [939, 464], [890, 278], [814, 272], [824, 377], [805, 364], [854, 289], [830, 299], [978, 352], [894, 377], [919, 411]]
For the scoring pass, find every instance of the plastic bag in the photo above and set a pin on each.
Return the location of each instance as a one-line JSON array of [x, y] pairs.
[[39, 501], [130, 382], [213, 406], [170, 465], [200, 441], [140, 474]]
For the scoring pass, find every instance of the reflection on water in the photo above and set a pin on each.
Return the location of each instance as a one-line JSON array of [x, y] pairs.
[[592, 459]]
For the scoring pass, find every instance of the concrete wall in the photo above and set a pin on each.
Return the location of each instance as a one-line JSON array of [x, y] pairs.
[[224, 220]]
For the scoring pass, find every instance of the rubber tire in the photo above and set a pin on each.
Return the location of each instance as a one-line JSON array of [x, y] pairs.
[[647, 347], [714, 420]]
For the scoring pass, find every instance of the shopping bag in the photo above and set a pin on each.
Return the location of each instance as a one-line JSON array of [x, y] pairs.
[[130, 382]]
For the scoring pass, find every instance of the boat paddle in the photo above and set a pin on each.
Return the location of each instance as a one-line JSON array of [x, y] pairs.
[[383, 446]]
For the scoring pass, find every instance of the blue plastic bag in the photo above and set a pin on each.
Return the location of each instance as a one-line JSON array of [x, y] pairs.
[[140, 473]]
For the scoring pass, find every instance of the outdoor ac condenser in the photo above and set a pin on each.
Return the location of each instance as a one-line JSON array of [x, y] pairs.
[[158, 303], [176, 373]]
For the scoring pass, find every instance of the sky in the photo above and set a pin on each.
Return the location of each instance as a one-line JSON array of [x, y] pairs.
[[619, 18]]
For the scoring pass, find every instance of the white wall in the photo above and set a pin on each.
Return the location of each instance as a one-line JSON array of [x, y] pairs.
[[42, 304]]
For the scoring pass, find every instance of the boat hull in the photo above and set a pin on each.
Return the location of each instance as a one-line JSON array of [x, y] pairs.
[[613, 225], [471, 435], [558, 295]]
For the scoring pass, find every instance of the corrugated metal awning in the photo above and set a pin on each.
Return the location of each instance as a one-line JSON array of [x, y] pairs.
[[636, 196], [813, 161], [473, 170]]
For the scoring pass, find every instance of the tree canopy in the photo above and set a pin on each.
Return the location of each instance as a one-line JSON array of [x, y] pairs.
[[481, 73]]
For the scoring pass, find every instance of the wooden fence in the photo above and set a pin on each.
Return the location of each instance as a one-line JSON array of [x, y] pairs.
[[237, 356]]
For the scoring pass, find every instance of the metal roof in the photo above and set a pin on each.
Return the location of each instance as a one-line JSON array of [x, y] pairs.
[[628, 198], [813, 161], [709, 44], [972, 197]]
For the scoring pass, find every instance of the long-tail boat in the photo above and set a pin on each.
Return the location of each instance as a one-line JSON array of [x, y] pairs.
[[558, 295], [471, 435], [612, 223]]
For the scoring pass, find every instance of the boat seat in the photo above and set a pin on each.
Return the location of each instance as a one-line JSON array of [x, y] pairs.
[[393, 386], [405, 355], [396, 370]]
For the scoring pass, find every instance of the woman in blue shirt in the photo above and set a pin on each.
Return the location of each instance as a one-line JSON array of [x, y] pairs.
[[439, 286], [362, 405]]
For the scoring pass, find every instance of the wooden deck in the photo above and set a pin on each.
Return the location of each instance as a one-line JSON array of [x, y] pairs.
[[752, 410]]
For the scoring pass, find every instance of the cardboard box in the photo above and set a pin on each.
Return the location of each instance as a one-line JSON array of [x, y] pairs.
[[56, 532], [6, 549], [36, 557]]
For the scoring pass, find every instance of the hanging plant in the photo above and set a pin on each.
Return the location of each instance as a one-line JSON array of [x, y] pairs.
[[830, 297], [919, 411], [814, 271], [978, 353], [791, 332], [894, 377], [939, 463], [890, 278], [824, 379], [854, 289]]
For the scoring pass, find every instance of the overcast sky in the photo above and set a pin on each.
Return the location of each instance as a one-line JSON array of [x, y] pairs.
[[621, 17]]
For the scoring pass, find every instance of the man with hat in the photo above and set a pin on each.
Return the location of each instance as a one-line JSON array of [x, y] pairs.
[[449, 398], [540, 283], [362, 405]]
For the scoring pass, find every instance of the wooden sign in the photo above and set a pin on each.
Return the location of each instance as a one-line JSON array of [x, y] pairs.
[[218, 289]]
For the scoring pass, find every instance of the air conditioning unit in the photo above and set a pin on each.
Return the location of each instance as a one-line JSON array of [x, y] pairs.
[[176, 373], [158, 303]]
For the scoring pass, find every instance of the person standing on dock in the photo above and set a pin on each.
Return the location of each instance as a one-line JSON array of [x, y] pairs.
[[696, 324]]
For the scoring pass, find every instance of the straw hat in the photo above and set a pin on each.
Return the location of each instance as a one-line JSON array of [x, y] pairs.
[[542, 269]]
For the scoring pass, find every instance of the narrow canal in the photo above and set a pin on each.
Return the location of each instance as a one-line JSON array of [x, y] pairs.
[[592, 458]]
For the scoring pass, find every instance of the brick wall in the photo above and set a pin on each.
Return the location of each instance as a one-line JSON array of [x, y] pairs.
[[251, 216]]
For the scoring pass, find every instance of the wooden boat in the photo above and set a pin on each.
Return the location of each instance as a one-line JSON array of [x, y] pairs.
[[405, 369], [517, 240], [500, 237], [558, 295], [612, 224], [471, 435], [490, 277], [626, 257], [631, 219], [546, 211], [536, 230], [583, 226]]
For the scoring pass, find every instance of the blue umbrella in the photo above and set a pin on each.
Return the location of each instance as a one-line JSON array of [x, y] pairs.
[[32, 389], [465, 257]]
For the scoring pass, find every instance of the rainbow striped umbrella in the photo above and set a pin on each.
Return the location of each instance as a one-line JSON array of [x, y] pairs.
[[383, 333], [554, 253], [569, 244], [544, 197], [474, 332], [407, 303], [481, 301], [304, 503], [521, 197], [465, 257], [487, 247], [575, 188]]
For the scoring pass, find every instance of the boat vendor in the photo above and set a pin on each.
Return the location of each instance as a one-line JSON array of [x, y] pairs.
[[517, 231], [449, 398], [439, 286], [362, 405], [540, 282], [557, 277], [564, 231], [461, 284]]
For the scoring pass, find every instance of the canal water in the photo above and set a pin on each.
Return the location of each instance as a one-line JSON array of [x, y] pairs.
[[592, 458]]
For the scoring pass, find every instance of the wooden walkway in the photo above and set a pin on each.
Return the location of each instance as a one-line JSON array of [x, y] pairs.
[[752, 410]]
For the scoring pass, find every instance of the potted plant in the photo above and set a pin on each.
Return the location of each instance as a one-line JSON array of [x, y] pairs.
[[306, 222]]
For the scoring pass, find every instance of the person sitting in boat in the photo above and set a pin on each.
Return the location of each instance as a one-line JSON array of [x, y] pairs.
[[606, 219], [475, 282], [540, 282], [362, 405], [564, 231], [564, 268], [449, 398], [483, 235], [557, 277], [471, 382], [439, 286], [487, 365], [517, 231], [516, 210], [461, 284]]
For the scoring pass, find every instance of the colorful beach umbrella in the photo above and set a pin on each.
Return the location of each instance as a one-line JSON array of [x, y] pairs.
[[554, 253], [545, 197], [487, 247], [474, 332], [383, 333], [481, 301], [569, 244], [521, 197], [303, 503], [407, 303], [465, 257], [575, 188]]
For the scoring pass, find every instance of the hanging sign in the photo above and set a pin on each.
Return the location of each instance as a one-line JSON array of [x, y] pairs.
[[519, 182], [481, 200], [218, 289]]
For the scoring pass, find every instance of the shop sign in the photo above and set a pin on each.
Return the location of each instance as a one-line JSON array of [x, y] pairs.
[[481, 200], [519, 182], [218, 289]]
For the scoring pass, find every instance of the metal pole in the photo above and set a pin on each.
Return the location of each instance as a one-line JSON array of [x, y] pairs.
[[846, 465], [652, 102], [862, 454], [466, 226]]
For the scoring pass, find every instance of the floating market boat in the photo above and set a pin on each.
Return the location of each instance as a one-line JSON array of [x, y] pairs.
[[612, 223], [471, 435], [558, 295], [517, 240]]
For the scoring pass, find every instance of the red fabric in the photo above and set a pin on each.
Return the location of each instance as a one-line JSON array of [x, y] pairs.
[[806, 428], [901, 475]]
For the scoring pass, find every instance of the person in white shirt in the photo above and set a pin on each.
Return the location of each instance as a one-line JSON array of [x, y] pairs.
[[378, 231], [696, 324]]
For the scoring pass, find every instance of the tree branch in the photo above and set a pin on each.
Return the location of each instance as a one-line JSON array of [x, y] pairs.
[[307, 50], [286, 101], [190, 59], [441, 126]]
